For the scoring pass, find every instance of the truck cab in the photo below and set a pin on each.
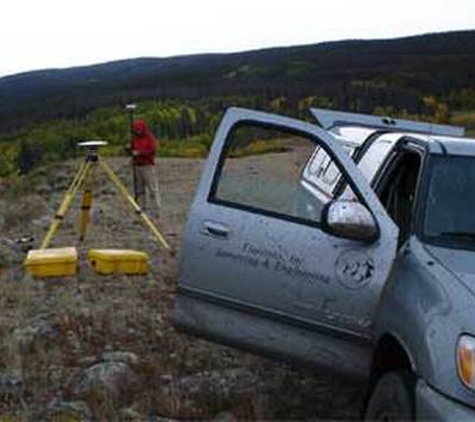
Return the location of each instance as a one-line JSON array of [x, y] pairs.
[[347, 245]]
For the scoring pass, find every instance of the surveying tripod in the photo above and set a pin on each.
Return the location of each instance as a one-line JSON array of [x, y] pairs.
[[83, 179]]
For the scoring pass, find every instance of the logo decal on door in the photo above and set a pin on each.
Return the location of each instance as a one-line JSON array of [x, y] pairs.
[[354, 269]]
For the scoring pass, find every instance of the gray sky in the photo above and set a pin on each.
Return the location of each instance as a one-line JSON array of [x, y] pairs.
[[38, 34]]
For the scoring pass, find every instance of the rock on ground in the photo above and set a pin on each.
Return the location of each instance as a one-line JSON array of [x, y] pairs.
[[111, 381]]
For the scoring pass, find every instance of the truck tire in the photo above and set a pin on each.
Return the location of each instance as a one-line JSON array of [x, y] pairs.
[[392, 398]]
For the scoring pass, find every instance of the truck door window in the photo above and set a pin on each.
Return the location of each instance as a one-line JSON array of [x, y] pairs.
[[262, 170], [398, 191]]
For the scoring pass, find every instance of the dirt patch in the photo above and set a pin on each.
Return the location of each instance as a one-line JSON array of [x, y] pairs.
[[58, 335]]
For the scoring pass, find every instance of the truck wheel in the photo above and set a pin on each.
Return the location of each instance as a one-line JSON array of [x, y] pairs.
[[392, 398]]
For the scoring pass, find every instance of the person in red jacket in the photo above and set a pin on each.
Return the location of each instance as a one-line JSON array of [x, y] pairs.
[[144, 146]]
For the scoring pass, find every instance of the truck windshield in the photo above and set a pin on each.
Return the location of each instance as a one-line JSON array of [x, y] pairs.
[[450, 208]]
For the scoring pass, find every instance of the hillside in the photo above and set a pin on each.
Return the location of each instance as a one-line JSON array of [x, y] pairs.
[[356, 75]]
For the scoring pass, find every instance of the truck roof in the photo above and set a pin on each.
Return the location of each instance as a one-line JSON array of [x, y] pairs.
[[449, 145], [355, 137], [355, 129], [330, 119]]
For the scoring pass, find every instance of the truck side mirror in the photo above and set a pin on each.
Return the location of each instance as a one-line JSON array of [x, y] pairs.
[[350, 220]]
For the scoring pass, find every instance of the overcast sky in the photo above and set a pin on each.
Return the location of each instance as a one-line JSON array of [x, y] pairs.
[[38, 34]]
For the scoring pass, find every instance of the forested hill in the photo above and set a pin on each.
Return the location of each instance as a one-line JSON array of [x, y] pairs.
[[354, 75]]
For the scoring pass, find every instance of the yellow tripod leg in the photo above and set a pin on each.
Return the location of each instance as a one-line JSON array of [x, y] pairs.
[[123, 190], [86, 205], [66, 203]]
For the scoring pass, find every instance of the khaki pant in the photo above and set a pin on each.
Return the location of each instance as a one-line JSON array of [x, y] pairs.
[[147, 186]]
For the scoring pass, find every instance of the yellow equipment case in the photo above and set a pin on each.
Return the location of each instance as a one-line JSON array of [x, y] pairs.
[[52, 262], [118, 261]]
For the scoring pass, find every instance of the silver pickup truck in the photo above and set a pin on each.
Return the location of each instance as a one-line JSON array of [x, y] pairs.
[[347, 245]]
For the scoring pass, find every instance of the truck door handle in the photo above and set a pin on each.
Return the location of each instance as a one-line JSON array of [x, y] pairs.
[[216, 229]]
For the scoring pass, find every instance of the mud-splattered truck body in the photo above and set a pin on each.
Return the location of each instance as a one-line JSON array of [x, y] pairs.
[[347, 245]]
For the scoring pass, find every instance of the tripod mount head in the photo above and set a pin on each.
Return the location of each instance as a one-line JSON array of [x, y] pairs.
[[130, 108], [92, 149]]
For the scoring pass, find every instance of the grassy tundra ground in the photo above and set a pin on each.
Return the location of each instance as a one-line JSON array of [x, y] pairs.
[[102, 348]]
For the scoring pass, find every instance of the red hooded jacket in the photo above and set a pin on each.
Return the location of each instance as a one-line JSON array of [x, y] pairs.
[[144, 143]]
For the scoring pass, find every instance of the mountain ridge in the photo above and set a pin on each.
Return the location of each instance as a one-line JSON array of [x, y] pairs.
[[251, 51], [410, 66]]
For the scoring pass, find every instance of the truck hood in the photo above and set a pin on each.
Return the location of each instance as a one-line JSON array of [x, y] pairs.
[[458, 261]]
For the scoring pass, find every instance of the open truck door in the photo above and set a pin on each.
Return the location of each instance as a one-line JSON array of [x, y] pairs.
[[259, 273]]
